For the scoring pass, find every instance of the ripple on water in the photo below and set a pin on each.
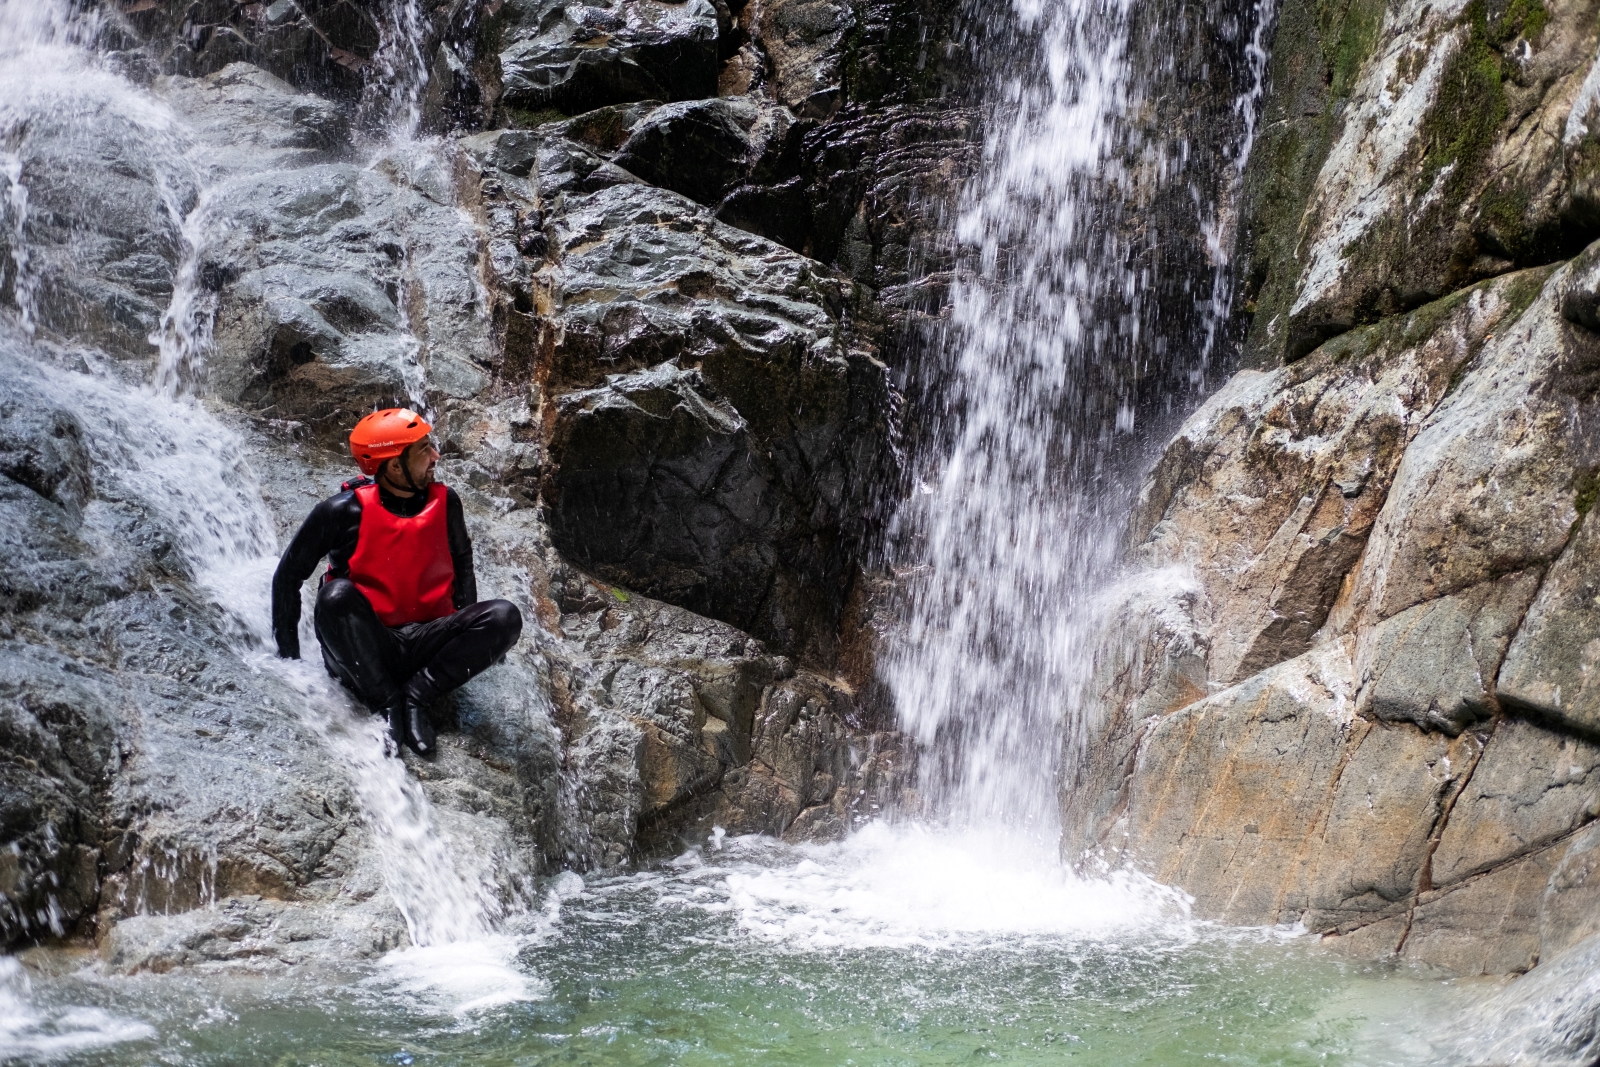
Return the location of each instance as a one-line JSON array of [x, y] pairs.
[[901, 945]]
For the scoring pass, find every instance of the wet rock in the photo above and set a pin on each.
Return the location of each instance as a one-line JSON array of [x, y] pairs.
[[59, 744], [308, 275], [248, 932], [722, 463], [704, 148], [877, 183], [813, 773], [1549, 1016], [656, 703], [804, 41], [574, 58], [1487, 926], [43, 449], [100, 267], [1463, 785], [1151, 663]]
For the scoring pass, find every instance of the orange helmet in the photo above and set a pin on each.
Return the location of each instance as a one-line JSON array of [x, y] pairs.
[[384, 435]]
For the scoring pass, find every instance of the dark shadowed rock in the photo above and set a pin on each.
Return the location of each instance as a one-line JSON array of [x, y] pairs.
[[723, 462], [704, 148], [575, 58], [1581, 304]]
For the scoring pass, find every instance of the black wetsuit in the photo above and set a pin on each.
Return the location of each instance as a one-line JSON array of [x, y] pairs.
[[387, 667]]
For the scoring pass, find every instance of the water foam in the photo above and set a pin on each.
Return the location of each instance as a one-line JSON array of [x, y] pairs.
[[30, 1032], [891, 886], [471, 976]]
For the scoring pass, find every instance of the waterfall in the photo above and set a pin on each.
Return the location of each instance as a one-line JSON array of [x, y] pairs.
[[391, 102], [157, 442], [1055, 350]]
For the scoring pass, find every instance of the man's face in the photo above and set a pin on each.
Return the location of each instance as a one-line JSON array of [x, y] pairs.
[[419, 459]]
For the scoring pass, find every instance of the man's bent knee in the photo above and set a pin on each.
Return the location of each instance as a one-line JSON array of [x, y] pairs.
[[340, 598], [505, 620]]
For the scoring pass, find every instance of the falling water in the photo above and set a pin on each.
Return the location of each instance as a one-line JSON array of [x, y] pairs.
[[1048, 362], [391, 100], [157, 443]]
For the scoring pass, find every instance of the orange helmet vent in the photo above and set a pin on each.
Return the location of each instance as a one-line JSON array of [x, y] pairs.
[[384, 435]]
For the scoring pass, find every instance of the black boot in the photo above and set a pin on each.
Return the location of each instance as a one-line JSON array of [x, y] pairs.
[[419, 731], [421, 691]]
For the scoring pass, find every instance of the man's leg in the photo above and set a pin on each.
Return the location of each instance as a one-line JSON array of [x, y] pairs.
[[447, 652], [360, 650]]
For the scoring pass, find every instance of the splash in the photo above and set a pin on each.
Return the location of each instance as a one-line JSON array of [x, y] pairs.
[[30, 1032], [913, 887], [1053, 353]]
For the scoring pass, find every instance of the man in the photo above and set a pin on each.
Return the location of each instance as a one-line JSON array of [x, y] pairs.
[[396, 613]]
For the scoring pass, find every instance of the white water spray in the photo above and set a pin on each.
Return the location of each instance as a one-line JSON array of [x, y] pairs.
[[391, 102], [1028, 470], [1013, 526]]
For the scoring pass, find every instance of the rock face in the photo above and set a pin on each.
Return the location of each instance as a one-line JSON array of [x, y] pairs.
[[661, 395], [1349, 686], [1428, 146]]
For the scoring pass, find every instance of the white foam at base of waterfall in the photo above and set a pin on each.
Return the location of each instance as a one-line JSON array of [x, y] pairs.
[[911, 886], [31, 1032]]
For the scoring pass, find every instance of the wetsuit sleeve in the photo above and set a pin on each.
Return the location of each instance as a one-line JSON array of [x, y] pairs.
[[466, 589], [318, 535]]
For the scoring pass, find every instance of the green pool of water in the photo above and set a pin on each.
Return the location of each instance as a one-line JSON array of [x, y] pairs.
[[902, 949]]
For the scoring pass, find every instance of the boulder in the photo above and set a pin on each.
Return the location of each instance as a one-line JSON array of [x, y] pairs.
[[814, 773], [576, 57], [704, 148], [804, 40], [714, 434]]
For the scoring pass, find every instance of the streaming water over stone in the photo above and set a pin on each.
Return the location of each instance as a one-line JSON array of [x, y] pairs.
[[155, 442], [1053, 353]]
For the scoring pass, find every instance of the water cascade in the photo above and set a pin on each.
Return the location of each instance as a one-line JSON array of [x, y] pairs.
[[206, 271], [1057, 346], [157, 443]]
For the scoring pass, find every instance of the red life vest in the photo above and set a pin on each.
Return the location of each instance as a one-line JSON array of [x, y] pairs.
[[402, 565]]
